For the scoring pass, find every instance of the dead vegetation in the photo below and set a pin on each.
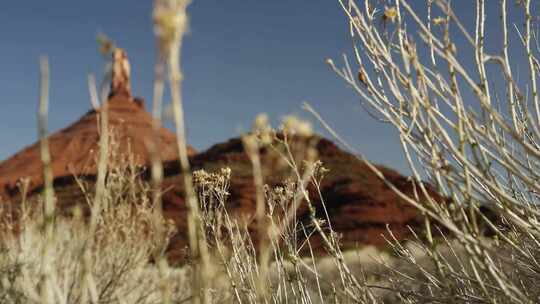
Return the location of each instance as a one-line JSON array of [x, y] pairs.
[[480, 155]]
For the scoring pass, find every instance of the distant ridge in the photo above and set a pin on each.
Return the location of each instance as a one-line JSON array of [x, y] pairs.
[[360, 205]]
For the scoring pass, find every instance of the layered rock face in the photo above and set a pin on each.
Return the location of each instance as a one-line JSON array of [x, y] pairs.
[[359, 204], [75, 149]]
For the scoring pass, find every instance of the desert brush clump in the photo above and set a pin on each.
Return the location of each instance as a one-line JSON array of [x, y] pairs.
[[111, 263], [463, 97]]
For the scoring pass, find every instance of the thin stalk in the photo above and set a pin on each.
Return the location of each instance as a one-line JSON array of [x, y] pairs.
[[48, 190]]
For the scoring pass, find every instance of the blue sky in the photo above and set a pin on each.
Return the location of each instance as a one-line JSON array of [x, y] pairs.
[[240, 58]]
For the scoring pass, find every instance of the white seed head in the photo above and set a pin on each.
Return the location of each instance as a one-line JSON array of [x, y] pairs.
[[294, 125], [304, 128], [262, 128], [170, 22], [261, 123]]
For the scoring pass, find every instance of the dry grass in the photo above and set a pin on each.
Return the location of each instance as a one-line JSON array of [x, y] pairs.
[[105, 263]]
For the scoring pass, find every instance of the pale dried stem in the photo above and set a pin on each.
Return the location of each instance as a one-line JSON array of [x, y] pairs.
[[472, 159]]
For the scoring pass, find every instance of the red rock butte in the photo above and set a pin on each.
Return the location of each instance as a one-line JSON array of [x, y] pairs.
[[358, 204], [75, 149]]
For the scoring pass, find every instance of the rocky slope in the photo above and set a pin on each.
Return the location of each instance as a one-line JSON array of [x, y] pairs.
[[74, 150], [359, 204]]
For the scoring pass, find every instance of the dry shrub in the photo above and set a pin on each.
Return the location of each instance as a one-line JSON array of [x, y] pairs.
[[468, 121], [109, 264]]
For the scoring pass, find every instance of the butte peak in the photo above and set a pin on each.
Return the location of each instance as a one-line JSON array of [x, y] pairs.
[[120, 75], [74, 149]]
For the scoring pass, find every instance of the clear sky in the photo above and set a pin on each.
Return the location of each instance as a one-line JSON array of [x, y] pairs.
[[240, 58]]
